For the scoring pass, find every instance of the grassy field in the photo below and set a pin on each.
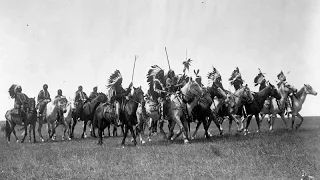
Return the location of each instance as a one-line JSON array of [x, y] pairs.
[[267, 155]]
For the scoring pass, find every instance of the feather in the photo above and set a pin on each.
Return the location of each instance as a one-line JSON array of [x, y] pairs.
[[186, 64], [14, 89], [115, 80], [155, 79]]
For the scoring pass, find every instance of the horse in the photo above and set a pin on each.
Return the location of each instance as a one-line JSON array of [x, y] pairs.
[[86, 111], [298, 100], [201, 112], [53, 116], [106, 115], [68, 120], [229, 107], [148, 113], [272, 107], [254, 107], [29, 115], [179, 107]]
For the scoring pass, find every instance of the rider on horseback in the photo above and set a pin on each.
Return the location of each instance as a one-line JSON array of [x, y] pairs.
[[94, 94], [20, 101], [80, 97], [237, 82], [43, 99], [282, 78], [60, 96]]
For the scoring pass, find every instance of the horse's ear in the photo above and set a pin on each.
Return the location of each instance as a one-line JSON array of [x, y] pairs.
[[198, 72], [305, 85], [195, 72]]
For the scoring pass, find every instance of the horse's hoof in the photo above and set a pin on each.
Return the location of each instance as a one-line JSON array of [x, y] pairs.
[[193, 137], [69, 139], [132, 140], [18, 141], [149, 140], [143, 142], [258, 131], [186, 141], [8, 142]]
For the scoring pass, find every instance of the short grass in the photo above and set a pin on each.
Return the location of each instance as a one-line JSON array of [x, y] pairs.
[[265, 155]]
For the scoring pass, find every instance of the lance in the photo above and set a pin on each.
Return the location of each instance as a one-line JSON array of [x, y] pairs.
[[134, 65], [167, 57]]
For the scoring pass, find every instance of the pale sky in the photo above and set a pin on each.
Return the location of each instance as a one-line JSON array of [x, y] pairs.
[[70, 43]]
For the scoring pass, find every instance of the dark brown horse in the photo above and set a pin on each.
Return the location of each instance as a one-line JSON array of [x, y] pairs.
[[86, 111], [255, 107], [106, 115], [28, 115]]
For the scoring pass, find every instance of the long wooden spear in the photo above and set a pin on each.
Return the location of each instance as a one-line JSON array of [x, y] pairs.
[[134, 65], [167, 57]]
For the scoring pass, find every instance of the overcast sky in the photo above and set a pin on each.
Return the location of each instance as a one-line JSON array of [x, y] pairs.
[[70, 43]]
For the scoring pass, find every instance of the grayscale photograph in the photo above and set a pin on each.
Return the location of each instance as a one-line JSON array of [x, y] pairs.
[[159, 89]]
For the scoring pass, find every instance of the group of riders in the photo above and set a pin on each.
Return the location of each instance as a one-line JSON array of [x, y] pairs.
[[173, 84]]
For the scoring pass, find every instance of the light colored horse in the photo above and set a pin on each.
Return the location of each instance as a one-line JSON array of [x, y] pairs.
[[53, 116], [273, 107], [147, 115], [181, 106], [230, 106], [29, 116], [298, 100], [68, 120]]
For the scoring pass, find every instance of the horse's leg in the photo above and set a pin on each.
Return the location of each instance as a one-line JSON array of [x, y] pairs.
[[258, 122], [205, 126], [14, 133], [196, 130], [217, 123], [34, 132], [262, 117], [84, 129], [25, 132], [292, 123], [283, 119], [299, 116], [30, 132], [139, 129], [161, 129], [100, 136], [171, 125], [133, 135], [125, 135], [246, 131], [39, 130], [74, 123]]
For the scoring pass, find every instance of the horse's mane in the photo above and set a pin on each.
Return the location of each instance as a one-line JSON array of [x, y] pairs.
[[299, 93], [115, 80]]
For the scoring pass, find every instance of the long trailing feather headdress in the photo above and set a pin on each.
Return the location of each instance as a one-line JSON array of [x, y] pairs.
[[155, 79], [115, 81]]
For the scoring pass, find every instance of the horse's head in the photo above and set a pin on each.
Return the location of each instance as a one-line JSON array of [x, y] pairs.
[[274, 92], [101, 97], [310, 90], [61, 103], [286, 89], [32, 104], [138, 94], [244, 94]]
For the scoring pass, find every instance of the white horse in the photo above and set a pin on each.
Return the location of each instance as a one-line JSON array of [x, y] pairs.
[[53, 116], [298, 100]]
